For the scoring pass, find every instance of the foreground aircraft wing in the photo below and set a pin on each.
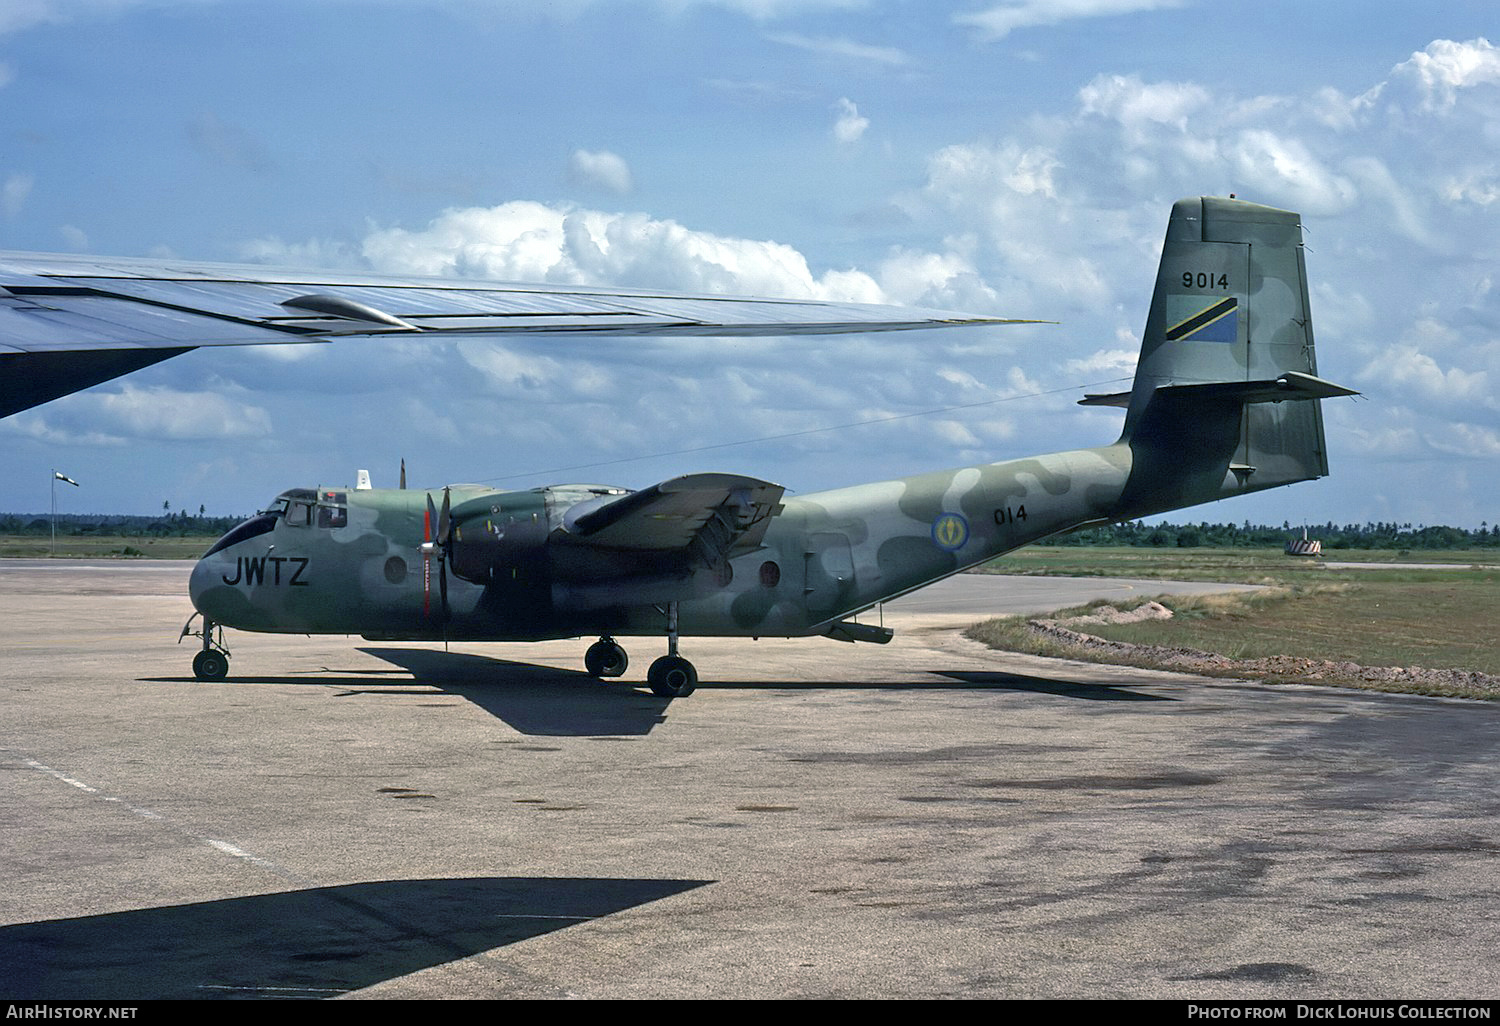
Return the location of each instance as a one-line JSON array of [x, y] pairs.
[[67, 322]]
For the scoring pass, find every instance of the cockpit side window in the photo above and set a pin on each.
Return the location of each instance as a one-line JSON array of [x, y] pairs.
[[332, 511], [298, 513]]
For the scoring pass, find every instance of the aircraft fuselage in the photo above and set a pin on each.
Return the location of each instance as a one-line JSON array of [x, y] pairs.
[[338, 561]]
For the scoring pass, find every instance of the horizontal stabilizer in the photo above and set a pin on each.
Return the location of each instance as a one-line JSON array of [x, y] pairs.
[[1290, 385], [1118, 399]]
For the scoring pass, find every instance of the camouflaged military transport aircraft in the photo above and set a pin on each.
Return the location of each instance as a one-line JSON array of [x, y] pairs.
[[1224, 402]]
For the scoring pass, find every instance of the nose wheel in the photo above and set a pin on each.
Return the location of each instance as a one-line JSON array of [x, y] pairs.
[[212, 662], [210, 665]]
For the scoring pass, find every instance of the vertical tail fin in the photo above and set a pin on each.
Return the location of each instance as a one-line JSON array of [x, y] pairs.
[[1228, 348]]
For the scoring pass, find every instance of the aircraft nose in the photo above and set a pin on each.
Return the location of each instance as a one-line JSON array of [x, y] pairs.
[[198, 582], [209, 591]]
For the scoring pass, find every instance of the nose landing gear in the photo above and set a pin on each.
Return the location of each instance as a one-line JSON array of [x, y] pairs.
[[212, 662]]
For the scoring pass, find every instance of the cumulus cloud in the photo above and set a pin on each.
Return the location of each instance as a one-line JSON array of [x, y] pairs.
[[602, 169], [1445, 67], [943, 281], [528, 241], [1288, 168], [137, 412], [850, 126], [1133, 102], [1418, 374]]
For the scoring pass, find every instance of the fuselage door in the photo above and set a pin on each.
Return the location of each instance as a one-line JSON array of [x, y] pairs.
[[830, 575]]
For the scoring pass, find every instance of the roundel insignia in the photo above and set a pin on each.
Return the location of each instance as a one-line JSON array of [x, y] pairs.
[[950, 531]]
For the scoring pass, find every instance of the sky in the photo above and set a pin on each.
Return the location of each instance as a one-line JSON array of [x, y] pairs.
[[1015, 158]]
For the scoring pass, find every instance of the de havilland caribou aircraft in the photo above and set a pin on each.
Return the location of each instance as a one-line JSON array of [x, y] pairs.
[[1224, 402]]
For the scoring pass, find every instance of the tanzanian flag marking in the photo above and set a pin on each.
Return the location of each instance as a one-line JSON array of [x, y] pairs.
[[1216, 323]]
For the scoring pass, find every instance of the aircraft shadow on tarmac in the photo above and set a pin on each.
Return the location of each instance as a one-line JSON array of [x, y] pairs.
[[474, 677], [549, 701], [1051, 686], [316, 943]]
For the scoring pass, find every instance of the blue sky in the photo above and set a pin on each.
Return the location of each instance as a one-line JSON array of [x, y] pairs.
[[1012, 158]]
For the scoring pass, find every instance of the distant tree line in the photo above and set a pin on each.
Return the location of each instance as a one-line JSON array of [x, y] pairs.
[[1248, 535], [171, 525]]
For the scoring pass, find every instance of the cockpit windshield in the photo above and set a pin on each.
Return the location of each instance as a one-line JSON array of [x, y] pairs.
[[261, 523], [296, 507]]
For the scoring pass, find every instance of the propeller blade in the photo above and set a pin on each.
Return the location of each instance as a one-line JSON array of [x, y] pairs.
[[429, 516], [444, 522]]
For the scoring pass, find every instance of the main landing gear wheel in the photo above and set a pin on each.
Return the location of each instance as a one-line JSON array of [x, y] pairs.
[[210, 665], [672, 676], [605, 658]]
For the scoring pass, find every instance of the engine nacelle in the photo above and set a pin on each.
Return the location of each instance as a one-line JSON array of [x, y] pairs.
[[486, 549]]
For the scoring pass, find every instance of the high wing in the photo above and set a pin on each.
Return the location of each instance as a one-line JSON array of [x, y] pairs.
[[708, 515], [69, 322]]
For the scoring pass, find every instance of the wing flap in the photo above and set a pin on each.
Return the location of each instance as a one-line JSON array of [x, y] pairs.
[[710, 516]]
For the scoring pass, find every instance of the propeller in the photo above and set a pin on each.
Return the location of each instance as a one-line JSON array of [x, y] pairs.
[[436, 544]]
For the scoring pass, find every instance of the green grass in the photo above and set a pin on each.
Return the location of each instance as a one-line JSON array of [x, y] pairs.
[[1433, 619], [1252, 566], [1432, 624], [13, 546]]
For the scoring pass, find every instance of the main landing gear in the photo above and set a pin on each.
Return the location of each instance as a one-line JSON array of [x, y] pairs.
[[671, 676], [212, 662], [605, 658]]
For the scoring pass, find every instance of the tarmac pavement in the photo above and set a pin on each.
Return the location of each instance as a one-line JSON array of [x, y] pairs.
[[921, 819]]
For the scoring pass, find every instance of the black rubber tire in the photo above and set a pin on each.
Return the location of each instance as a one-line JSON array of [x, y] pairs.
[[210, 665], [672, 677], [605, 659]]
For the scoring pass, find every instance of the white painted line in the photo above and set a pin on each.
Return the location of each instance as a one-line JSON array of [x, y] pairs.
[[222, 846], [61, 776]]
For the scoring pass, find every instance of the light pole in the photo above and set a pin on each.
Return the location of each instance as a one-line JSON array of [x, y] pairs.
[[56, 477]]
